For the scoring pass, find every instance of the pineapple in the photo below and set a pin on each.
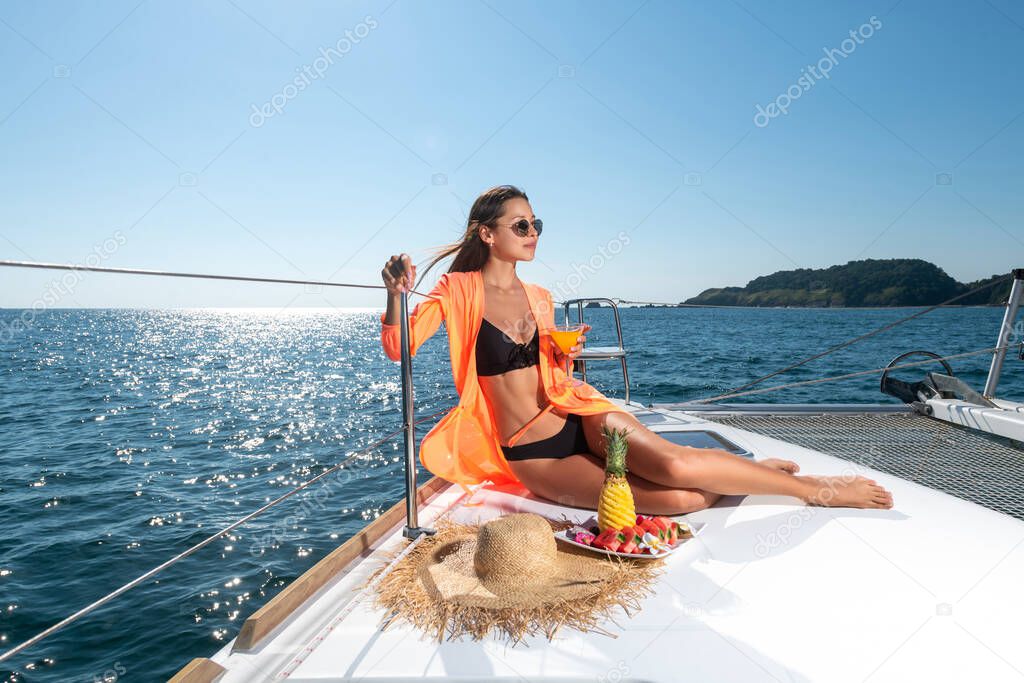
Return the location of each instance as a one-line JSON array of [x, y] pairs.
[[615, 508]]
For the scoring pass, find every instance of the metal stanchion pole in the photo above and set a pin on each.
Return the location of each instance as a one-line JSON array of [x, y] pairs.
[[412, 527], [996, 368]]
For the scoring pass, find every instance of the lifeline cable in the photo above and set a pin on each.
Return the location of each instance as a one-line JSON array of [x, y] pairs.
[[851, 374], [201, 276], [837, 347], [210, 539]]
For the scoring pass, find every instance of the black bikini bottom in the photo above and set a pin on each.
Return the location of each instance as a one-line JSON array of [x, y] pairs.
[[568, 441]]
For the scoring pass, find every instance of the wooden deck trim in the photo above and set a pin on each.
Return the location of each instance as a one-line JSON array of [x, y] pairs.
[[199, 670], [264, 620]]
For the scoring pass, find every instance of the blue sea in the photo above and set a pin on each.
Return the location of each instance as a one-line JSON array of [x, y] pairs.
[[127, 436]]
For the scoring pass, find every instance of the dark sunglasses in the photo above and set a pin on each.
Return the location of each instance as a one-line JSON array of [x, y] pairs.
[[522, 227]]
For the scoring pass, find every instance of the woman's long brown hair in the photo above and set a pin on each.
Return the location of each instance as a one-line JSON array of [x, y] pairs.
[[470, 251]]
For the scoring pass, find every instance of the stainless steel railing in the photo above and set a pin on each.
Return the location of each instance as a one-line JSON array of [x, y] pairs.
[[600, 352], [412, 527], [1009, 317], [408, 412], [408, 429]]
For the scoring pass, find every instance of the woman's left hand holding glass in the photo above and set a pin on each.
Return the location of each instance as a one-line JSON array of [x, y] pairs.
[[574, 350]]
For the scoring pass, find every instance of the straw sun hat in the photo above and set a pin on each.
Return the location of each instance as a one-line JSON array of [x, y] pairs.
[[509, 575]]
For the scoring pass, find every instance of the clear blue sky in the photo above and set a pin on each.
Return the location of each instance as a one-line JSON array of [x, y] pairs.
[[134, 121]]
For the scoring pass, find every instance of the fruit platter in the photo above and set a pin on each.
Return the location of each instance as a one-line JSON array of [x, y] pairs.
[[651, 537], [618, 529]]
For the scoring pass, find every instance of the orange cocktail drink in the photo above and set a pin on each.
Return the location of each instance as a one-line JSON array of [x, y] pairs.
[[565, 337]]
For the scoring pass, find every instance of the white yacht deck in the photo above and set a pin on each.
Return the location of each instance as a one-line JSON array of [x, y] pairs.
[[770, 590]]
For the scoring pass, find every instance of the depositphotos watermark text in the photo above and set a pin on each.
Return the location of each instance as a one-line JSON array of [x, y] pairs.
[[811, 74]]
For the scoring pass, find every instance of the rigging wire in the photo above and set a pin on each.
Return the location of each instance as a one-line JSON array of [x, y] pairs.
[[837, 347], [209, 539], [851, 374], [732, 393], [679, 305], [201, 276]]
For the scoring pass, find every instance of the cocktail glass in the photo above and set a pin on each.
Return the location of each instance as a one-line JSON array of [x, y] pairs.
[[565, 337]]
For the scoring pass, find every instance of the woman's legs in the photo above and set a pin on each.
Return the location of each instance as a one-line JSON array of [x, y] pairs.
[[576, 480], [671, 465]]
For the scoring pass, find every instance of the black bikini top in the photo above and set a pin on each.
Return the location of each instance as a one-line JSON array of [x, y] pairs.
[[496, 353]]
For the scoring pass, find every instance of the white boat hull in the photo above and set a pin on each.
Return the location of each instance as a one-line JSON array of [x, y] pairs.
[[772, 590], [1006, 420]]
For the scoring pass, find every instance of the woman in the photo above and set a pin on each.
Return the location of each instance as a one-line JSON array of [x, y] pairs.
[[508, 373]]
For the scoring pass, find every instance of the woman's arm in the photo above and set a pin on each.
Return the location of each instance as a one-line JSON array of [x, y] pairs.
[[425, 318]]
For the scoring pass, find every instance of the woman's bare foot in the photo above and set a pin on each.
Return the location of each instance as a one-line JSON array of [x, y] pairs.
[[852, 492], [780, 464]]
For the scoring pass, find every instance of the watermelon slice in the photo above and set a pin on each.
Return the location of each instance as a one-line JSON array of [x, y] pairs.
[[649, 525], [629, 540], [606, 539], [613, 541]]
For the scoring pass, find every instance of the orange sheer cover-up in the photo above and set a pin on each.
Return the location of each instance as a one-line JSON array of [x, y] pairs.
[[464, 446]]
